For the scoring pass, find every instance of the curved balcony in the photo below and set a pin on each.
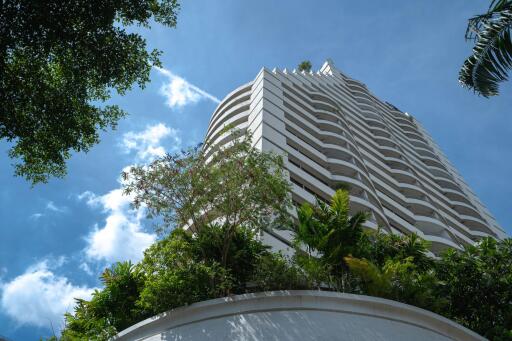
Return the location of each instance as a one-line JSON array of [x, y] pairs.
[[357, 204], [372, 122], [227, 117], [235, 122], [463, 208], [425, 205], [475, 224], [432, 162], [455, 196], [231, 97], [384, 141], [419, 143], [319, 96], [402, 119], [390, 152], [440, 244], [425, 152], [381, 132], [412, 134], [430, 225], [439, 172], [327, 166]]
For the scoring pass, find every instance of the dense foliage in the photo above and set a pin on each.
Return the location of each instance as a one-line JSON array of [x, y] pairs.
[[492, 55], [477, 285], [58, 61], [178, 270], [216, 256], [471, 287], [235, 185]]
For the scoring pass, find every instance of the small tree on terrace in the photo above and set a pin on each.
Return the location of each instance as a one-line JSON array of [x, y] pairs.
[[234, 185], [305, 66]]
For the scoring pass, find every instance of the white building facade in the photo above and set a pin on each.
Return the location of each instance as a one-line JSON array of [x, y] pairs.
[[331, 130]]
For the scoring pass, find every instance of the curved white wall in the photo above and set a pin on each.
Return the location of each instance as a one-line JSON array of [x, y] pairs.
[[298, 315]]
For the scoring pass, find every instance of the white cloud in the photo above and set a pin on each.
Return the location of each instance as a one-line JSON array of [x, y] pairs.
[[36, 216], [146, 143], [87, 269], [178, 92], [122, 237], [50, 206], [90, 198], [40, 297]]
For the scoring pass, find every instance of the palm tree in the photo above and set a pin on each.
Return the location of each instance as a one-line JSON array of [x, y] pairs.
[[330, 231], [492, 55]]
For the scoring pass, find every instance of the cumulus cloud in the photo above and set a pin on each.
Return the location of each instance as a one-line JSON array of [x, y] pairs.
[[122, 237], [40, 297], [178, 92], [147, 143]]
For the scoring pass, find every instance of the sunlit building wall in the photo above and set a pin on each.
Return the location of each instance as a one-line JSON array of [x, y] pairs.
[[332, 130]]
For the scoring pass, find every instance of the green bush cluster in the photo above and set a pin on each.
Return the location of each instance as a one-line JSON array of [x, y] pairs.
[[227, 196], [332, 252], [472, 287], [178, 270]]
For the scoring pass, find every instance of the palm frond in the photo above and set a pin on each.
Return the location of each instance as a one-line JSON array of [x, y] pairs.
[[492, 55]]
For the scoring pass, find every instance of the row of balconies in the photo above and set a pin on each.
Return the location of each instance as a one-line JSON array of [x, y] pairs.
[[331, 104]]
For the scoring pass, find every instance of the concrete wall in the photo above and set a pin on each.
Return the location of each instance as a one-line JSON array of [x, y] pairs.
[[298, 315]]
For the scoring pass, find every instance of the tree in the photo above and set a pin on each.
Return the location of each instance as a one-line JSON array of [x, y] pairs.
[[234, 185], [178, 273], [398, 267], [305, 66], [178, 270], [471, 287], [386, 246], [332, 234], [59, 60], [492, 55], [111, 309], [478, 284]]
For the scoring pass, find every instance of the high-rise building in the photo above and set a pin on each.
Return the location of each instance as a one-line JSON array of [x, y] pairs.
[[332, 130]]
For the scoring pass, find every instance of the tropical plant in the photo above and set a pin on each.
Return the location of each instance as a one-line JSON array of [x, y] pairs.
[[234, 185], [59, 61], [111, 309], [177, 274], [385, 246], [397, 279], [178, 270], [329, 233], [333, 252], [492, 55], [478, 287]]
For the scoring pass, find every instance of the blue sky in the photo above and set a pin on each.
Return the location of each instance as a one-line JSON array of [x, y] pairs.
[[56, 238]]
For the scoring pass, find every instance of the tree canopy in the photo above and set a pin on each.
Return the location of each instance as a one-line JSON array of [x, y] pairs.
[[233, 185], [59, 60], [471, 287], [304, 66], [491, 60]]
